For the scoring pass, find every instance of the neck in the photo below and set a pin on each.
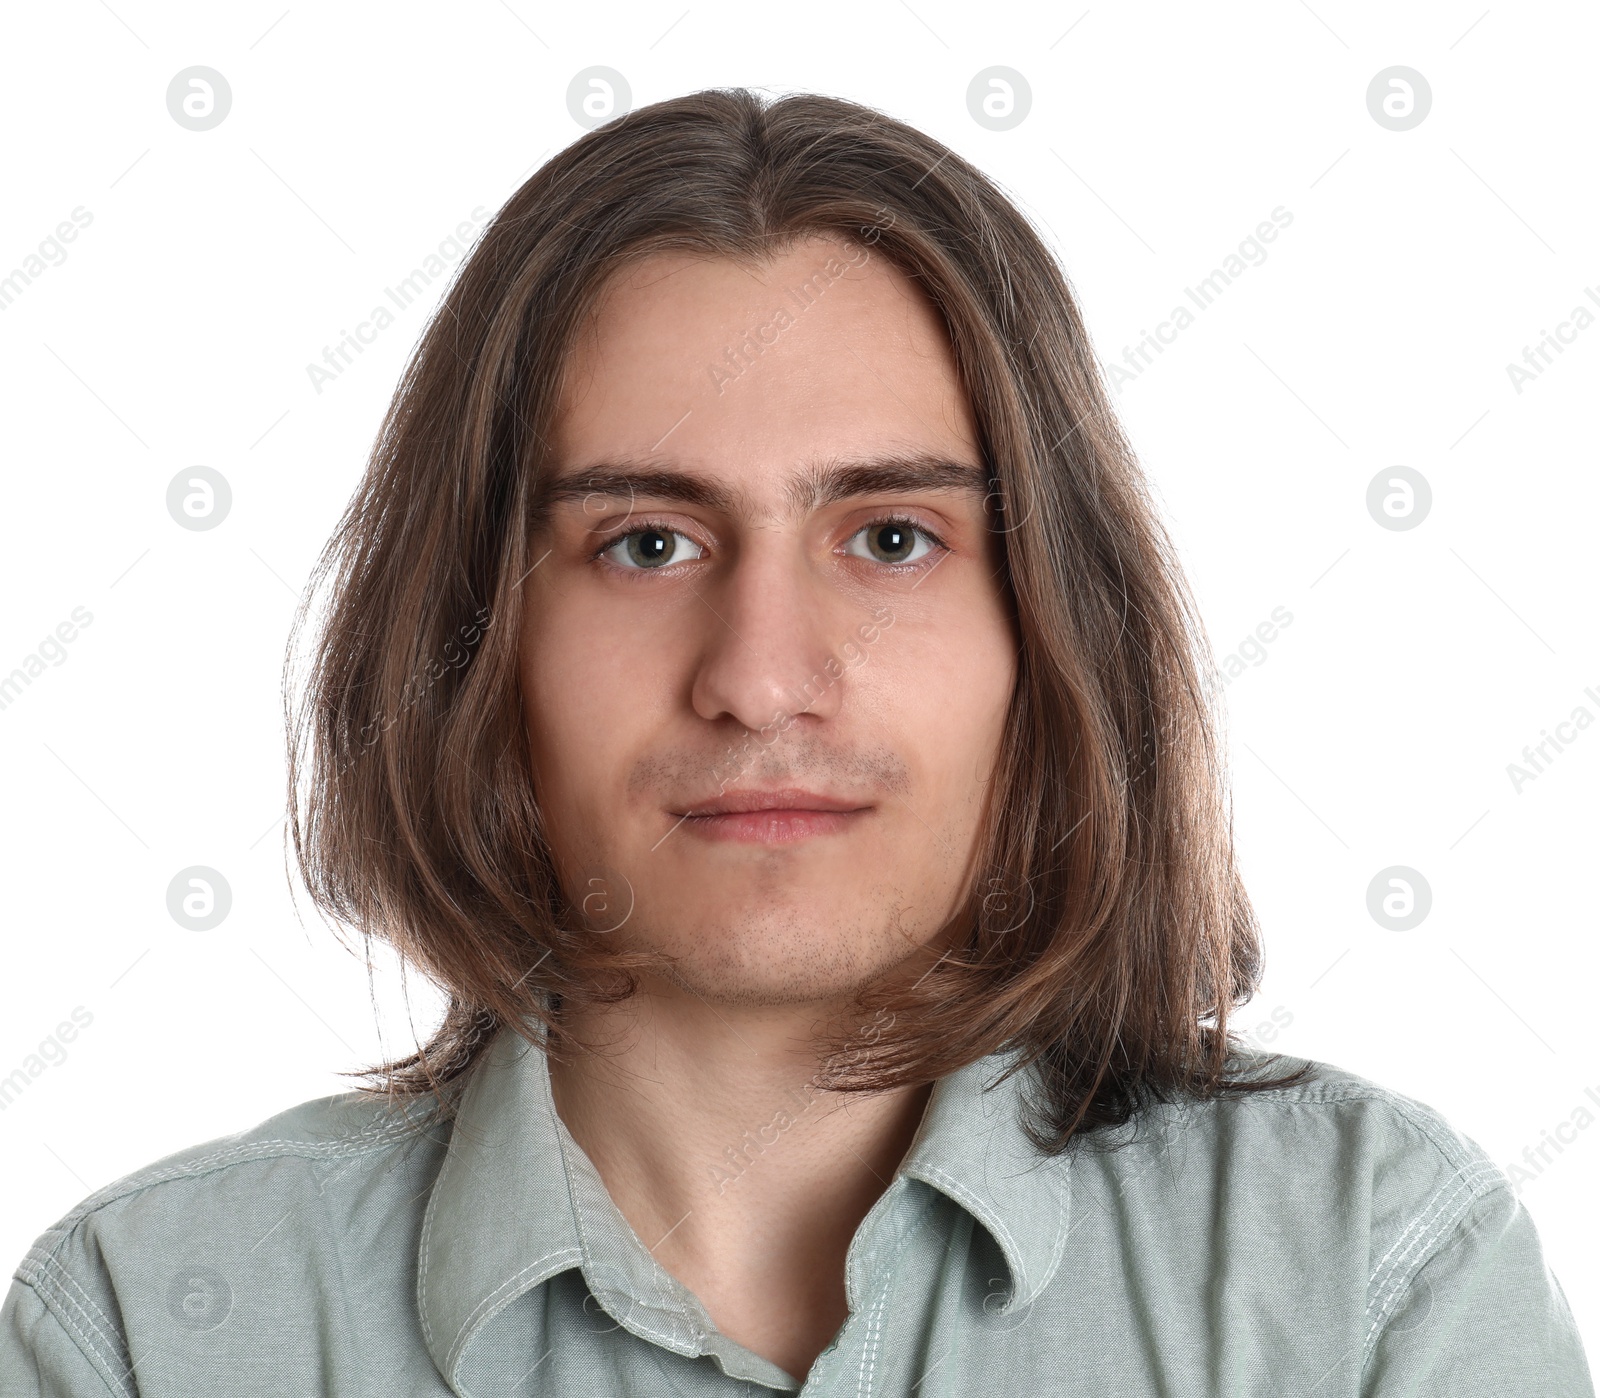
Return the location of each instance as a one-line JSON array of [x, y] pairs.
[[744, 1179]]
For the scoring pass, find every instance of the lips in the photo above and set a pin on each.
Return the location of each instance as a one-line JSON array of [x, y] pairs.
[[784, 799], [779, 817]]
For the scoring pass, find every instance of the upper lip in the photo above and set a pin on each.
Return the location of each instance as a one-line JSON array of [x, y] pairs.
[[789, 798]]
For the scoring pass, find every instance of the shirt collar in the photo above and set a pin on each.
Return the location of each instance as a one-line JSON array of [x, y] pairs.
[[500, 1216], [516, 1202], [972, 1148]]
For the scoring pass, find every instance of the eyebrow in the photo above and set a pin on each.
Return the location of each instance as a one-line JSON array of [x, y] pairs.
[[811, 487]]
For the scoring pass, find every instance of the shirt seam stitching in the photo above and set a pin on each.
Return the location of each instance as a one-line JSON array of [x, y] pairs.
[[362, 1143], [1475, 1182], [1458, 1155], [869, 1355], [422, 1259], [34, 1268], [698, 1335], [969, 1199], [458, 1345], [869, 1358], [60, 1306], [65, 1280], [112, 1350], [1320, 1094]]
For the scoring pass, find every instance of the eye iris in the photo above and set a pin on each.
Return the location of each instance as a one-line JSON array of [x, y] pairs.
[[891, 542], [650, 548]]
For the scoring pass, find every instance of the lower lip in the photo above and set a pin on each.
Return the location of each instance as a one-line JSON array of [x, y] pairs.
[[770, 827]]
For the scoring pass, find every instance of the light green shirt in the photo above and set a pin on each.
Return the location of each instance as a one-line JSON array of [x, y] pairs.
[[1329, 1240]]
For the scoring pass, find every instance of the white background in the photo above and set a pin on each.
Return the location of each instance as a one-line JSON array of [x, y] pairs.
[[1377, 731]]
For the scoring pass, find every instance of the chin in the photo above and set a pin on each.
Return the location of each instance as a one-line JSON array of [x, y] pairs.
[[786, 961]]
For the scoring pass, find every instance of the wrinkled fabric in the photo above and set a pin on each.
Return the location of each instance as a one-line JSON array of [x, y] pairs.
[[1331, 1239]]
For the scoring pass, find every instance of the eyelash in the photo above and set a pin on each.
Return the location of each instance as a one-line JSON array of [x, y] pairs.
[[640, 526], [645, 526], [907, 522]]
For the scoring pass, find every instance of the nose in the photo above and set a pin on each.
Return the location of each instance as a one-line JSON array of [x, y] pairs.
[[773, 630]]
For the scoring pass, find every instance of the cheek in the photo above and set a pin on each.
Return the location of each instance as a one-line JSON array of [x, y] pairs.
[[941, 691], [594, 693], [570, 700]]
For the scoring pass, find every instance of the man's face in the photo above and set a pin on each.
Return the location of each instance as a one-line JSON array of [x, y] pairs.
[[767, 655]]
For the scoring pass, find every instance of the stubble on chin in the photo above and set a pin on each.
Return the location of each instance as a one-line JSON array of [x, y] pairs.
[[783, 959]]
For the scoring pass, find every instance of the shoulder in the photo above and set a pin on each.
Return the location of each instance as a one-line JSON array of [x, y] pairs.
[[1332, 1129], [1451, 1267], [1335, 1160], [302, 1176], [1323, 1107], [1346, 1124], [331, 1185], [1357, 1220], [1332, 1149], [349, 1127]]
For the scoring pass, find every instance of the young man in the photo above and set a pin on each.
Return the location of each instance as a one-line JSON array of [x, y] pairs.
[[758, 689]]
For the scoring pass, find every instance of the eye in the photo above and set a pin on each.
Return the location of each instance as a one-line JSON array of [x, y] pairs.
[[891, 541], [651, 548]]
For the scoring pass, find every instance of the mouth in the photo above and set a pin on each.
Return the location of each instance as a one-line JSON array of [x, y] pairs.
[[780, 817]]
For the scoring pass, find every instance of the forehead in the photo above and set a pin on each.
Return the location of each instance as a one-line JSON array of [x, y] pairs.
[[826, 350]]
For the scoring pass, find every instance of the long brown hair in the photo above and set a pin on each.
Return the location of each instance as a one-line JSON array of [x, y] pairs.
[[1107, 936]]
